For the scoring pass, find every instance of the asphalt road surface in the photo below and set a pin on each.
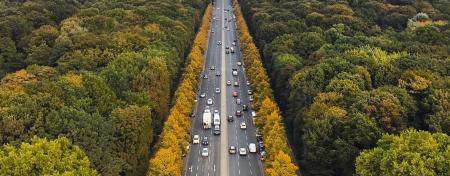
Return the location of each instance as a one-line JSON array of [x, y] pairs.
[[220, 161]]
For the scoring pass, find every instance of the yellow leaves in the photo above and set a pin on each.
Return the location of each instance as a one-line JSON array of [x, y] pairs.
[[73, 79], [269, 118], [175, 135], [165, 163], [281, 166], [415, 81]]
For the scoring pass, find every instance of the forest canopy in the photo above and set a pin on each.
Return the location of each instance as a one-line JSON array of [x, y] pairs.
[[346, 73], [100, 74]]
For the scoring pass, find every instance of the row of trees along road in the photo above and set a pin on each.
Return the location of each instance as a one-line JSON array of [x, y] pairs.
[[278, 161], [176, 132], [352, 76], [99, 74]]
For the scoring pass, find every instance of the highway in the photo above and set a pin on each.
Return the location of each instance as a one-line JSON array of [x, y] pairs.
[[219, 161]]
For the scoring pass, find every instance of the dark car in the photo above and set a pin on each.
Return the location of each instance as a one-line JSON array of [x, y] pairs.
[[230, 118], [205, 141], [205, 76], [244, 107], [238, 113], [217, 73], [216, 129]]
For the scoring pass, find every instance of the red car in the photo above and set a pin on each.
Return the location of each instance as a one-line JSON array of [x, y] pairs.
[[235, 94]]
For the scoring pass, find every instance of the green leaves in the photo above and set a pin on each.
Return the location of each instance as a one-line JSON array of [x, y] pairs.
[[411, 153], [44, 157]]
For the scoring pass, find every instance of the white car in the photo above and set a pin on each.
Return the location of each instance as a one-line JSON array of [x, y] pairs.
[[243, 125], [196, 139], [238, 101], [248, 83], [228, 82], [239, 63], [252, 147], [209, 101], [205, 152], [234, 43], [217, 90], [203, 95], [242, 151]]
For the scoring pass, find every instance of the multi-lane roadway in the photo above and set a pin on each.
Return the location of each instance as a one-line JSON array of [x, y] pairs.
[[219, 63]]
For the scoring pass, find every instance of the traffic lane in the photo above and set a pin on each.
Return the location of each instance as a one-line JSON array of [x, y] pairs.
[[197, 122], [250, 134]]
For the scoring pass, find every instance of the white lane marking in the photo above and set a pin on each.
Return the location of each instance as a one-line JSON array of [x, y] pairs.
[[239, 171], [251, 173], [190, 168]]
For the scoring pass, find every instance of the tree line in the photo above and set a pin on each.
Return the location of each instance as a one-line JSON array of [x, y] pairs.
[[98, 74], [268, 121], [363, 85], [175, 136]]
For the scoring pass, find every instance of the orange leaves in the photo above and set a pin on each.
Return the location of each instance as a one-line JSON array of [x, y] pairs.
[[175, 135], [269, 118]]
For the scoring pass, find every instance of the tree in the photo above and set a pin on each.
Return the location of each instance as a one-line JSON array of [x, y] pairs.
[[44, 157], [411, 153], [282, 165], [133, 126]]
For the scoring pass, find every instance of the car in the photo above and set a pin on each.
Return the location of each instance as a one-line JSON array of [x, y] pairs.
[[244, 107], [203, 95], [250, 98], [216, 129], [192, 115], [258, 137], [232, 149], [217, 90], [242, 151], [209, 101], [205, 152], [196, 139], [212, 31], [248, 83], [225, 26], [252, 148], [213, 68], [234, 43], [263, 155], [228, 82], [235, 40], [227, 52], [249, 92], [228, 29], [236, 84], [205, 76], [239, 63], [243, 125], [216, 111], [227, 47], [205, 141], [207, 108], [238, 113], [238, 101], [230, 118], [235, 94], [219, 43], [218, 73]]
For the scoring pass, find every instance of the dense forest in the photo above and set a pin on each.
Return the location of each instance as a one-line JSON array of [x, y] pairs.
[[363, 86], [89, 81]]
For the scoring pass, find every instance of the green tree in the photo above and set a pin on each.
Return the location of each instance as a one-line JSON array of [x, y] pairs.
[[411, 153], [44, 157]]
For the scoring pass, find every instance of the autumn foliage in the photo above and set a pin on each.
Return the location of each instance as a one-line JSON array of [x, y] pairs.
[[269, 121], [175, 136]]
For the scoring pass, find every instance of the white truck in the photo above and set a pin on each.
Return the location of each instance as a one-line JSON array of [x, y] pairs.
[[216, 118], [207, 119]]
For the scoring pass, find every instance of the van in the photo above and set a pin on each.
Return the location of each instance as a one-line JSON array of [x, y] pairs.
[[252, 148]]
